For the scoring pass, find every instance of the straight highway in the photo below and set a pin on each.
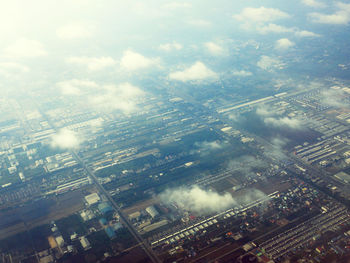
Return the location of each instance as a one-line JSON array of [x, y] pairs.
[[123, 218], [148, 250]]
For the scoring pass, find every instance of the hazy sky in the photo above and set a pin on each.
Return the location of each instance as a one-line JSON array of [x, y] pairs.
[[71, 45]]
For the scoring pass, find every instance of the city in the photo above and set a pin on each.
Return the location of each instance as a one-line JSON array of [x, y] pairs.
[[225, 142], [135, 182]]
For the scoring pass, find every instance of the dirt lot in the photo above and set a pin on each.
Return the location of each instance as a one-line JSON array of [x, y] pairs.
[[39, 212], [140, 205]]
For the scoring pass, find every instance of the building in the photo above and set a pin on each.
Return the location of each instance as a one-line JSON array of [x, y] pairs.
[[117, 226], [110, 232], [85, 243], [103, 222], [52, 242], [135, 216], [343, 177], [151, 210], [92, 198], [104, 208], [154, 226], [87, 215], [60, 241]]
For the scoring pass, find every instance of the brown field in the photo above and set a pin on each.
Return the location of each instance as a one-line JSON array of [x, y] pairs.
[[140, 206], [41, 212]]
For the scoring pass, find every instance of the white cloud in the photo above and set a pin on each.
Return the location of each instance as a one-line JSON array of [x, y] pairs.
[[199, 22], [343, 6], [284, 122], [261, 14], [209, 146], [204, 202], [268, 63], [242, 73], [92, 63], [340, 17], [198, 200], [246, 164], [123, 97], [334, 98], [66, 139], [214, 48], [96, 123], [268, 116], [177, 5], [134, 61], [74, 31], [304, 33], [273, 28], [263, 111], [170, 46], [275, 149], [75, 86], [25, 48], [234, 116], [261, 25], [260, 19], [314, 3], [284, 44], [198, 71], [11, 69]]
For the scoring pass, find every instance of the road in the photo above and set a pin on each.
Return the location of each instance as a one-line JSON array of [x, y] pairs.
[[123, 218], [148, 250]]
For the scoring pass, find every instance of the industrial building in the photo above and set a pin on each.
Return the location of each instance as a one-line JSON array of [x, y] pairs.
[[92, 198], [85, 243]]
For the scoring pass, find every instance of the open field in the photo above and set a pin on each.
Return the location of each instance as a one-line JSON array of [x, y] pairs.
[[40, 212]]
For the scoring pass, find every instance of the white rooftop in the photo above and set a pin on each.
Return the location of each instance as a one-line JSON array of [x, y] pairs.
[[92, 198]]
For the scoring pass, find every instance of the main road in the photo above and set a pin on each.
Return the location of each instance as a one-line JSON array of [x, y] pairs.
[[145, 246], [123, 218]]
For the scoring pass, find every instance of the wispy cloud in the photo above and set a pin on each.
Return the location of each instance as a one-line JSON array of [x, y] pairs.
[[305, 33], [340, 17], [314, 3], [75, 31], [214, 48], [334, 98], [276, 148], [262, 21], [273, 28], [246, 165], [75, 86], [292, 123], [269, 63], [261, 14], [242, 73], [207, 147], [170, 46], [92, 63], [25, 48], [270, 118], [12, 69], [199, 22], [177, 5]]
